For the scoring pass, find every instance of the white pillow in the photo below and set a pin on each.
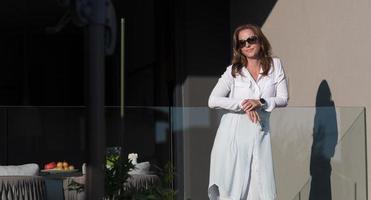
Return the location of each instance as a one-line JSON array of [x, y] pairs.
[[141, 168], [31, 169]]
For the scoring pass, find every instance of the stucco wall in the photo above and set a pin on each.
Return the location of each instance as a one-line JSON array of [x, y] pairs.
[[328, 40]]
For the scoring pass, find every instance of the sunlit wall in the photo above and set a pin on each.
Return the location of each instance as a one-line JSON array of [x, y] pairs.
[[324, 40]]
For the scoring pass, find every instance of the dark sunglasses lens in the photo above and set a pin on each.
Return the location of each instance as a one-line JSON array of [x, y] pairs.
[[252, 40], [242, 43]]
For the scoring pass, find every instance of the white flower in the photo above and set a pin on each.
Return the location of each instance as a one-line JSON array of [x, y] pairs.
[[133, 157]]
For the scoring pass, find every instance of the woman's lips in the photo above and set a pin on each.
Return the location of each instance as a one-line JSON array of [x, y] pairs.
[[249, 50]]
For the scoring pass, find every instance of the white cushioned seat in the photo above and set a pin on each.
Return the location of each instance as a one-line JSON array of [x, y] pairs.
[[31, 169]]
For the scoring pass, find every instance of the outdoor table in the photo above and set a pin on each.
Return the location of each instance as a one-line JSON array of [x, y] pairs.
[[57, 185]]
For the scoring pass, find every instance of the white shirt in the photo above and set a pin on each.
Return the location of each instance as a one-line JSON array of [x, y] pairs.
[[230, 91]]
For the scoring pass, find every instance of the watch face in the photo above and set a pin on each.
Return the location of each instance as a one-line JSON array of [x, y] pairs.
[[262, 101]]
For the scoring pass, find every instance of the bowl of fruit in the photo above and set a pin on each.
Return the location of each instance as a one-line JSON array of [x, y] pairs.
[[58, 167]]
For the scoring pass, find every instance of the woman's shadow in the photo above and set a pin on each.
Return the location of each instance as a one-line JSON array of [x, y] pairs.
[[325, 136]]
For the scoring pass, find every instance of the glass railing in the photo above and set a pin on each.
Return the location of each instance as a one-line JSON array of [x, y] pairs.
[[341, 188], [347, 178], [330, 142], [309, 146]]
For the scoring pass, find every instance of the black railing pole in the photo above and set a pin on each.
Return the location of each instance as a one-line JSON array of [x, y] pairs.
[[95, 100]]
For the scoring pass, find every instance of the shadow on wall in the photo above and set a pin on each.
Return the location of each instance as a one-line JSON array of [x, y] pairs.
[[325, 136], [251, 12]]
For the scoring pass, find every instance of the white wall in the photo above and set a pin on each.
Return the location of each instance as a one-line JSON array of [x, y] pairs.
[[324, 39]]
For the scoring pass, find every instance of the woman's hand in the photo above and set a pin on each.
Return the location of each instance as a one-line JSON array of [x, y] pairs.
[[254, 116], [250, 104]]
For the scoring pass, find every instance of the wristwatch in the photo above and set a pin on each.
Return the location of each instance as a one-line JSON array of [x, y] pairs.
[[262, 102]]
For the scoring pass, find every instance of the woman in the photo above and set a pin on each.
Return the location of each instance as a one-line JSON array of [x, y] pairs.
[[241, 160]]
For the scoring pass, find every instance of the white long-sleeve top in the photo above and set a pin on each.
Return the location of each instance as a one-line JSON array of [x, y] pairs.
[[230, 91]]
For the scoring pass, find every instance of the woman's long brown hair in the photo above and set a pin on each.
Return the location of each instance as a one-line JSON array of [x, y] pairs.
[[265, 55]]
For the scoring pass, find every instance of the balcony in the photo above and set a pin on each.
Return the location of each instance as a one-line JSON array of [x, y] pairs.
[[317, 151]]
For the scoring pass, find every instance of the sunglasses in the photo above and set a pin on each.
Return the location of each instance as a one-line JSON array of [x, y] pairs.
[[250, 40]]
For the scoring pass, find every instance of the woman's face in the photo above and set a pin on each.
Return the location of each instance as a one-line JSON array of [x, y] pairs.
[[248, 43]]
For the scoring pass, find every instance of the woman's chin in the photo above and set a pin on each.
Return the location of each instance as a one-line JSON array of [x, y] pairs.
[[251, 56]]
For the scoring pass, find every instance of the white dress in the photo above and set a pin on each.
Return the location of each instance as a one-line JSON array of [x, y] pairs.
[[241, 160]]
